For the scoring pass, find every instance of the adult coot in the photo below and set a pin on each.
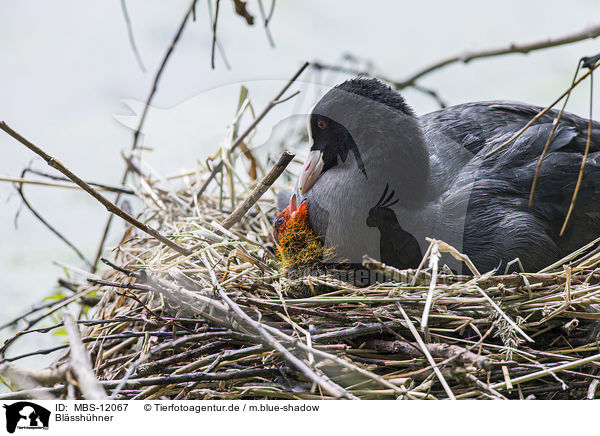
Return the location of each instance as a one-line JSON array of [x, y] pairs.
[[379, 179]]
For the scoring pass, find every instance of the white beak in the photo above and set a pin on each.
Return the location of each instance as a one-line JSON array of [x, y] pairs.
[[313, 168]]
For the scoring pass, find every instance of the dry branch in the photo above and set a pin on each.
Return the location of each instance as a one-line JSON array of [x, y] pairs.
[[236, 143], [284, 160], [138, 130], [522, 48], [111, 207], [81, 363], [466, 57]]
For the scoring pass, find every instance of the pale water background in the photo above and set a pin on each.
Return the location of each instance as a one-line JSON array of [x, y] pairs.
[[66, 67]]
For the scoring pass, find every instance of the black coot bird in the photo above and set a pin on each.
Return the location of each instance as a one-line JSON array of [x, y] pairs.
[[366, 140]]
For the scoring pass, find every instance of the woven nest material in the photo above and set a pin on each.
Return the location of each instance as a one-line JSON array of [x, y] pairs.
[[226, 322]]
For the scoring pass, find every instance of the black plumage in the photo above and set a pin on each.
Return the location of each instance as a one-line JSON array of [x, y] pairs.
[[397, 247], [445, 185]]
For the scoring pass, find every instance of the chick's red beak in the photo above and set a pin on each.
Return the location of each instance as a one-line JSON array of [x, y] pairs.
[[291, 213], [301, 213], [293, 206]]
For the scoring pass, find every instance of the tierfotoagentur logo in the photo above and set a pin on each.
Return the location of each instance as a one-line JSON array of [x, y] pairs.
[[26, 415]]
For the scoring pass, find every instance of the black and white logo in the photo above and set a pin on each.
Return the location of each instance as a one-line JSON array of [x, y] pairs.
[[26, 415]]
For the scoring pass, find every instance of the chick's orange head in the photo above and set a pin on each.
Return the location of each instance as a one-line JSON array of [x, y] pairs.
[[298, 247], [292, 214]]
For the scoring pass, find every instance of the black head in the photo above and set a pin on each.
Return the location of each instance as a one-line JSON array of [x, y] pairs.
[[334, 142], [366, 107], [377, 91]]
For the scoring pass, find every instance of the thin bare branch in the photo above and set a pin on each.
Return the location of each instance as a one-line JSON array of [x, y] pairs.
[[251, 127], [543, 111], [81, 363], [190, 11], [111, 207], [523, 48], [583, 159], [262, 187], [138, 58]]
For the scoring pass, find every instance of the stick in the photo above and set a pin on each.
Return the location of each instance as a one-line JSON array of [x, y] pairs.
[[547, 371], [58, 185], [19, 188], [466, 57], [550, 136], [503, 315], [33, 380], [338, 360], [138, 58], [214, 39], [142, 120], [454, 352], [583, 160], [437, 371], [111, 207], [163, 380], [329, 387], [266, 20], [434, 258], [277, 100], [81, 363], [284, 160], [543, 111]]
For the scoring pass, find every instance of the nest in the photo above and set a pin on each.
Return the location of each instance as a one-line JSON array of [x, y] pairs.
[[228, 322]]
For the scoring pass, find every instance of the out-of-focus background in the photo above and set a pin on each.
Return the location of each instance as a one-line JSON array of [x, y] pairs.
[[69, 81]]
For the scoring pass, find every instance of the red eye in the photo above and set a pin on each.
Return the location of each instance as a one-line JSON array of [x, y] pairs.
[[322, 125]]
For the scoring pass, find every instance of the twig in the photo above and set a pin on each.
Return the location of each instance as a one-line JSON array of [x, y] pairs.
[[543, 111], [525, 48], [81, 363], [214, 39], [138, 130], [111, 207], [22, 181], [544, 372], [56, 305], [447, 351], [94, 339], [102, 186], [217, 42], [138, 58], [36, 214], [270, 341], [159, 364], [44, 377], [266, 19], [284, 160], [583, 159], [550, 136], [164, 380], [373, 73], [277, 100], [466, 57], [116, 267], [417, 337], [484, 387], [502, 314], [23, 379], [434, 259], [359, 330], [342, 362], [422, 263], [447, 248]]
